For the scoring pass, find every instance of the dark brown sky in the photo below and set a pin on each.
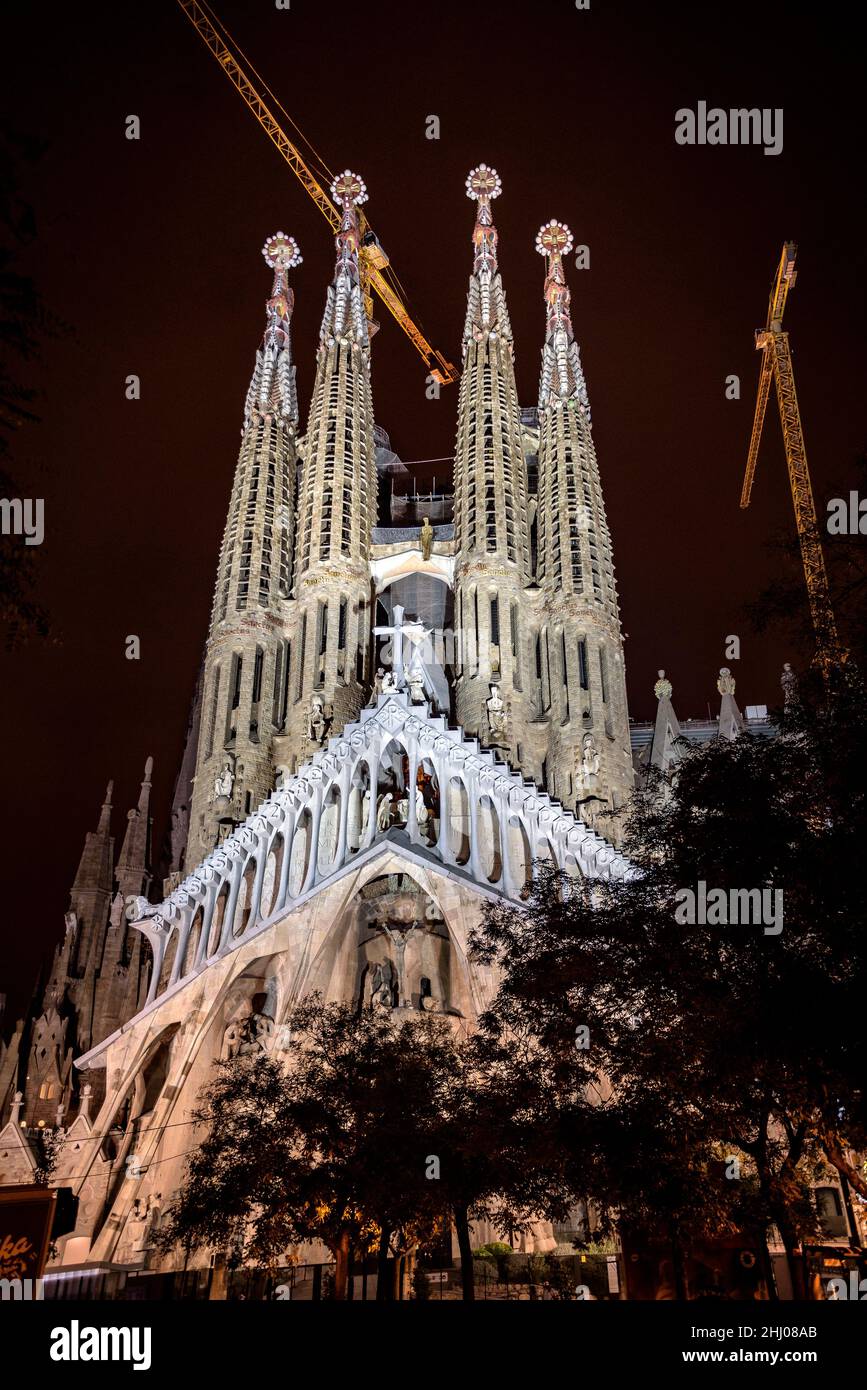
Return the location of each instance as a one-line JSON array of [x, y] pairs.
[[151, 251]]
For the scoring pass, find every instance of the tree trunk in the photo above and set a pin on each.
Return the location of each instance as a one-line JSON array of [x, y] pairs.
[[462, 1225], [341, 1266], [795, 1262], [383, 1287], [768, 1268], [678, 1267]]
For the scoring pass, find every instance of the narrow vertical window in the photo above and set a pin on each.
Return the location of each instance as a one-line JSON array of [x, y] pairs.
[[565, 670], [583, 672], [516, 648], [302, 651], [212, 718]]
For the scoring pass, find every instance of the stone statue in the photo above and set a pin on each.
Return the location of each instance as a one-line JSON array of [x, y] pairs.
[[377, 685], [726, 683], [663, 687], [415, 681], [589, 760], [426, 539], [423, 816], [426, 1001], [496, 714], [384, 811], [316, 721], [224, 783], [246, 1036], [789, 682], [381, 986], [389, 683]]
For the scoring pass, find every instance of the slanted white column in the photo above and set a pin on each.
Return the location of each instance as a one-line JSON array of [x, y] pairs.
[[313, 865]]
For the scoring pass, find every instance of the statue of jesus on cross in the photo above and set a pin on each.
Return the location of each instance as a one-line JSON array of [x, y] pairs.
[[399, 632]]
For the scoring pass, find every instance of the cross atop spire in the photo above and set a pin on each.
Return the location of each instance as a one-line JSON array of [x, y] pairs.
[[281, 254], [486, 305], [562, 377], [272, 388], [483, 185], [345, 315]]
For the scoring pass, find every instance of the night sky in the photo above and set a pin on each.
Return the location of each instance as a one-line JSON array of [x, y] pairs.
[[150, 251]]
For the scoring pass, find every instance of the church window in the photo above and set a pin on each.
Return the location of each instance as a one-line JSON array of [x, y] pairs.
[[516, 649], [583, 670], [47, 1091], [603, 673], [301, 655], [565, 672], [495, 621], [212, 718], [257, 675], [237, 666]]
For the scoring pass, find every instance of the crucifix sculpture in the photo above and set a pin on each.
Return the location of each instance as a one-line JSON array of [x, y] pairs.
[[414, 632]]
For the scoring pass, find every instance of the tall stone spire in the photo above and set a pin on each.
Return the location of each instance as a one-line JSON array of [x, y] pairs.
[[244, 681], [491, 522], [90, 895], [336, 508], [581, 680], [132, 870]]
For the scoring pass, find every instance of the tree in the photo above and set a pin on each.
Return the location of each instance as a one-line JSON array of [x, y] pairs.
[[496, 1139], [330, 1146], [742, 1040]]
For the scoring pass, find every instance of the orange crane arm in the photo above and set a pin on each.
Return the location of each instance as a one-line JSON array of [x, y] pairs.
[[444, 371], [765, 379], [777, 366]]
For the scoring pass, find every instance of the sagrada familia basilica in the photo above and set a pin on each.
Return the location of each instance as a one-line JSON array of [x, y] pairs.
[[394, 724]]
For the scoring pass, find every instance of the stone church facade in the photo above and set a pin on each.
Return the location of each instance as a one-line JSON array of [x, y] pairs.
[[393, 725]]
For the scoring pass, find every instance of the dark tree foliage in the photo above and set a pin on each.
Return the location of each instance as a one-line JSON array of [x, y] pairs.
[[328, 1146], [371, 1133], [712, 1041]]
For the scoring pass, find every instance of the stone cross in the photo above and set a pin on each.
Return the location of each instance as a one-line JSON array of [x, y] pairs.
[[400, 630]]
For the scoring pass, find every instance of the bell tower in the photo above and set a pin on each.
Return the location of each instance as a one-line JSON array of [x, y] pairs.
[[244, 687]]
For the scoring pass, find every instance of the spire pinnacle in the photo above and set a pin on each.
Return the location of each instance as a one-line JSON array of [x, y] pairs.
[[483, 185], [144, 794], [105, 813], [272, 388], [562, 377], [487, 314], [345, 315]]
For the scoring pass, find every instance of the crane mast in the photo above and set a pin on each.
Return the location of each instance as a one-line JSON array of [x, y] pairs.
[[773, 342], [373, 259]]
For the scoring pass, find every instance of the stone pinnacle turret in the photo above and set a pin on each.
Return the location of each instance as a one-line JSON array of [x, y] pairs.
[[336, 509], [582, 680], [244, 685], [491, 519]]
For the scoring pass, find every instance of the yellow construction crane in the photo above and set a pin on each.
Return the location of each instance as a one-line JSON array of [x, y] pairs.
[[777, 363], [373, 260]]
